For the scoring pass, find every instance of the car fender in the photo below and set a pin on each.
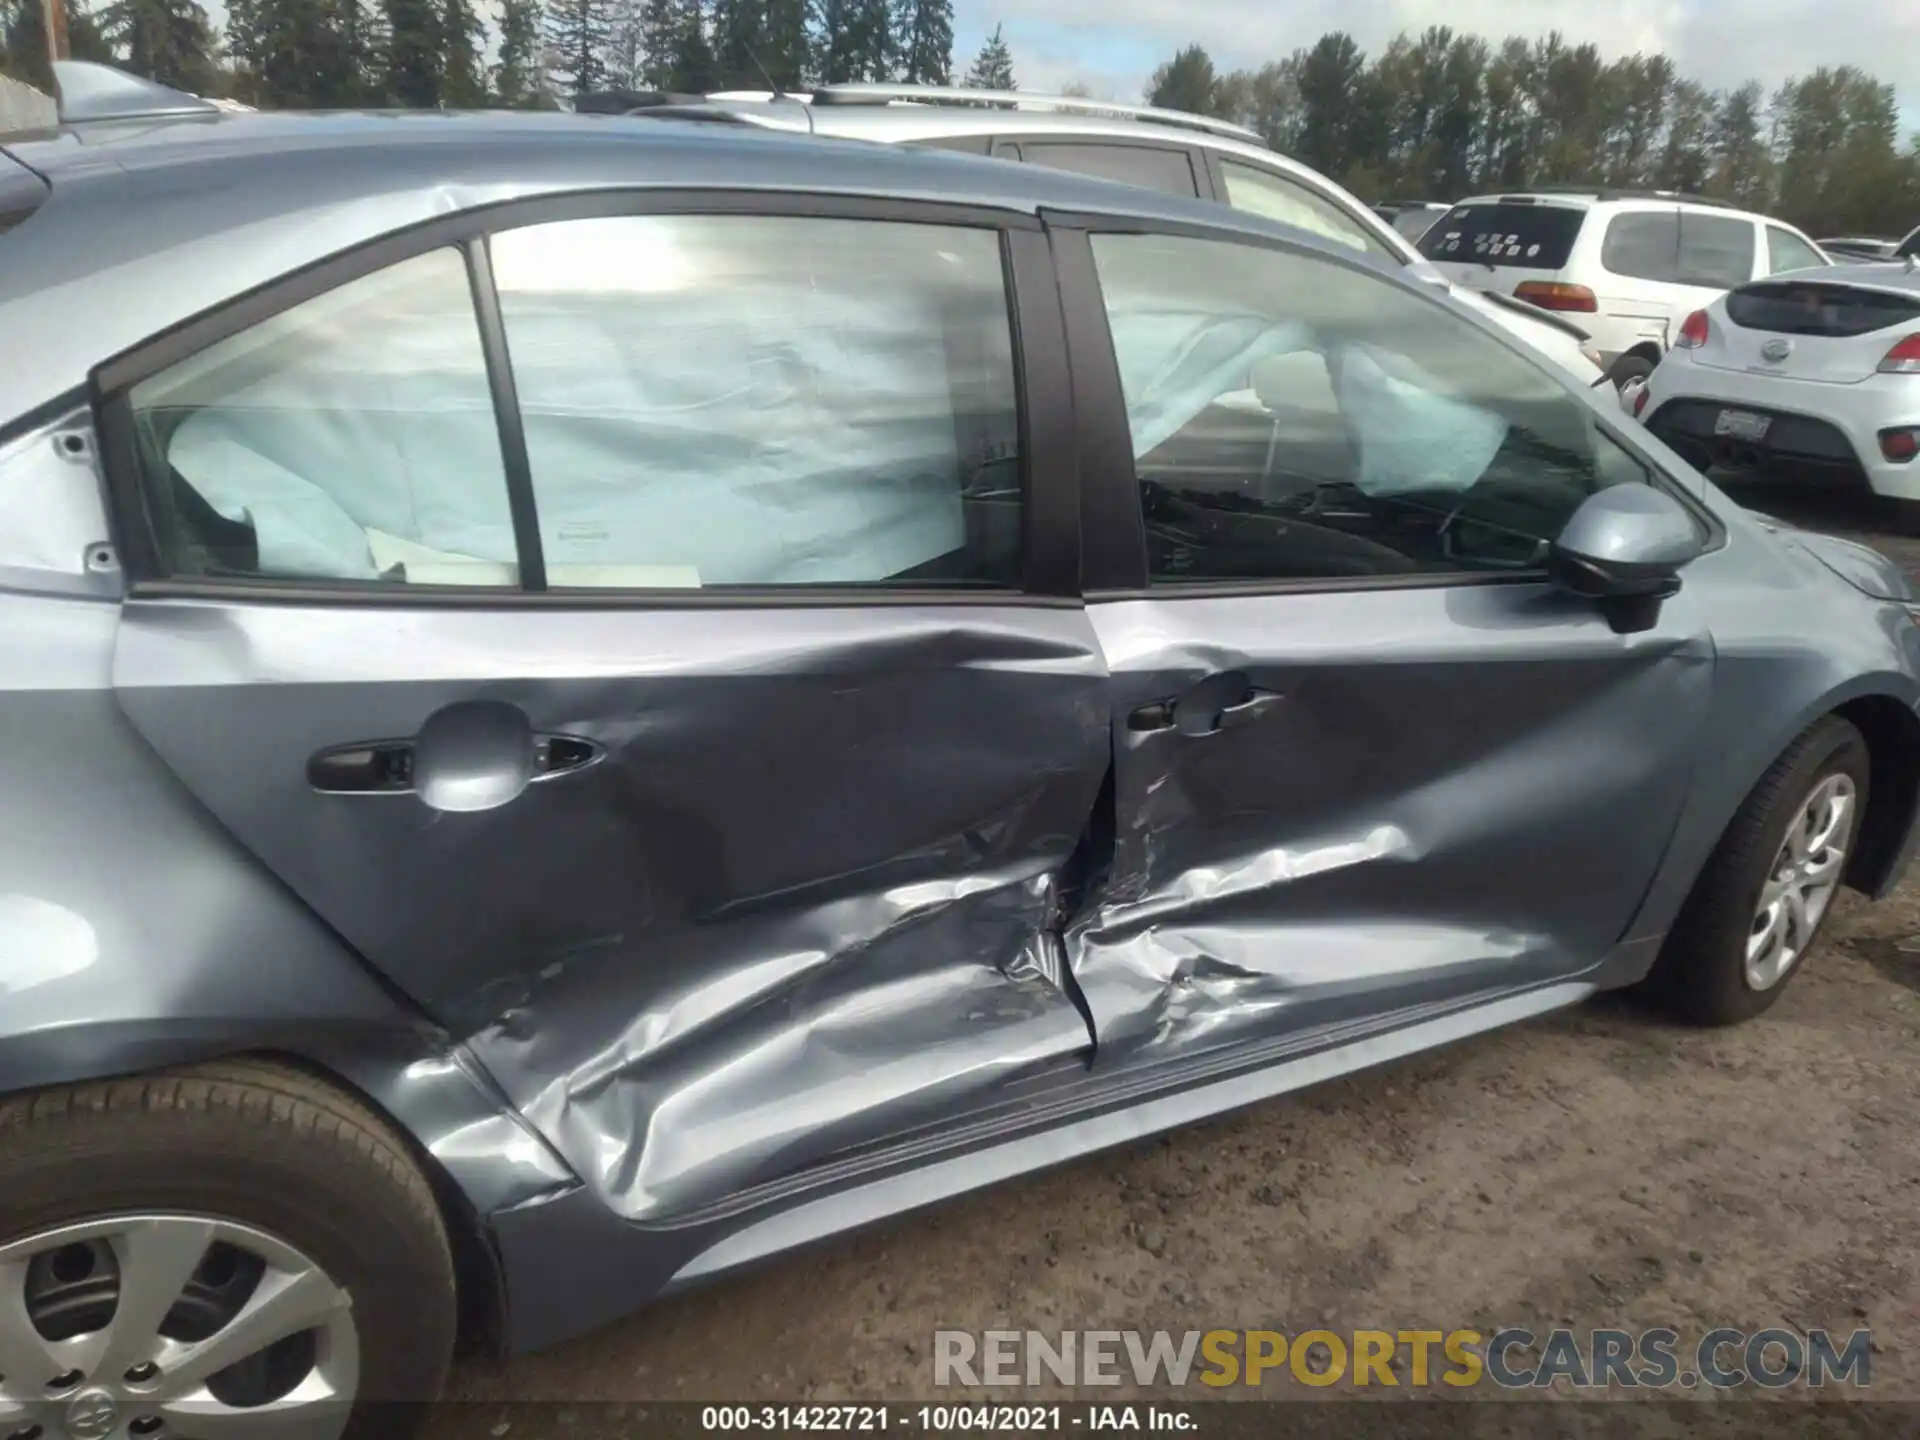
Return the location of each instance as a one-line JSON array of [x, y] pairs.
[[1721, 788]]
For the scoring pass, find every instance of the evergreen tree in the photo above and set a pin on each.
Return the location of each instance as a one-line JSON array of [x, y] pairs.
[[462, 37], [579, 39], [739, 42], [923, 38], [306, 54], [679, 54], [1186, 82], [517, 81], [23, 32], [856, 41], [626, 57], [789, 47], [993, 66], [166, 40], [416, 53]]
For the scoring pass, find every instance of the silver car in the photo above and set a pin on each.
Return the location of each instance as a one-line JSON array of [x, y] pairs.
[[584, 703]]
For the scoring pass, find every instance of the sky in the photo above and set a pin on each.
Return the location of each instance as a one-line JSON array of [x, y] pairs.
[[1112, 46]]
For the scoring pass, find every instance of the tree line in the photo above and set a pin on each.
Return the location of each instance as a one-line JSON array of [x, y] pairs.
[[1441, 115], [434, 53], [1435, 116]]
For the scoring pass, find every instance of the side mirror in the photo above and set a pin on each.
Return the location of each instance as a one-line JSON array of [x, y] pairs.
[[1625, 547]]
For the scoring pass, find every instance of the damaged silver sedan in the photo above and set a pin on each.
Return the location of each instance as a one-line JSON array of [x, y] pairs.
[[587, 702]]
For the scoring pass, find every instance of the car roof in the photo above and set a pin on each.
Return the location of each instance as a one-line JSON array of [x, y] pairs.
[[148, 223]]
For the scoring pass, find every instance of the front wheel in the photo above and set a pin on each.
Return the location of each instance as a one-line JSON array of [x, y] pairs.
[[1759, 904], [227, 1250]]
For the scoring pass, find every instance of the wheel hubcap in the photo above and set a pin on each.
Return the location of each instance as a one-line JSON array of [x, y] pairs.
[[171, 1327], [1802, 881]]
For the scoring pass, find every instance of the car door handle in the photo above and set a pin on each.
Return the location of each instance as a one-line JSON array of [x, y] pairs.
[[1224, 701], [386, 767]]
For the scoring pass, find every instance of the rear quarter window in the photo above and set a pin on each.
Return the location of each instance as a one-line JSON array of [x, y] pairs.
[[1536, 237]]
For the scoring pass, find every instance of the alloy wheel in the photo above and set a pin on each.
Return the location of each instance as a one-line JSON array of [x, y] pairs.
[[1801, 882], [171, 1327]]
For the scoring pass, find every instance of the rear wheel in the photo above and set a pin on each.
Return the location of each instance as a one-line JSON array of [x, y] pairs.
[[230, 1250], [1758, 906]]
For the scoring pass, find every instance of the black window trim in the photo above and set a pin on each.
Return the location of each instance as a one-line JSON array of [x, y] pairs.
[[1049, 497], [1113, 531]]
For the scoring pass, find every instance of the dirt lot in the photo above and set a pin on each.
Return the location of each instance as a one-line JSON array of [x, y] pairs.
[[1597, 1168]]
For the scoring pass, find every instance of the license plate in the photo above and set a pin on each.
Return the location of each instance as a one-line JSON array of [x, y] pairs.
[[1742, 424]]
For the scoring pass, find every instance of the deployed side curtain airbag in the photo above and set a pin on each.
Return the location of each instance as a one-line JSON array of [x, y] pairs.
[[1410, 435]]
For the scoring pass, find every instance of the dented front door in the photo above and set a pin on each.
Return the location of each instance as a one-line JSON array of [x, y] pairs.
[[1366, 758]]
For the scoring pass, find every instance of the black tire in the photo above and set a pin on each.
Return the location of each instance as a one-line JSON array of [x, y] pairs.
[[1701, 973], [1629, 367], [1904, 516], [272, 1148]]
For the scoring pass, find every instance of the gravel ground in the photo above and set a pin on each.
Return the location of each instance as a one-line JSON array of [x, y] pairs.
[[1596, 1168]]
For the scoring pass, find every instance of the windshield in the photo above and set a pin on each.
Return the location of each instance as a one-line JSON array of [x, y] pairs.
[[1539, 237], [1909, 246]]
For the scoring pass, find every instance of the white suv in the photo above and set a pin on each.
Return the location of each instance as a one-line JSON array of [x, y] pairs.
[[1167, 150], [1629, 266]]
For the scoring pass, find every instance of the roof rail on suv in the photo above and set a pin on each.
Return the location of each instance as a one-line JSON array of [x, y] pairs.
[[1607, 192], [870, 94]]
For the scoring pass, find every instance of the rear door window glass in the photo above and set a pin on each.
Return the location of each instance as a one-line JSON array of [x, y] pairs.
[[337, 440], [1534, 237], [727, 400], [1151, 168], [1643, 245], [1296, 417], [1715, 250]]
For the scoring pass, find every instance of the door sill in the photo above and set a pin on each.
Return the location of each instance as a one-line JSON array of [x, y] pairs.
[[1082, 1115]]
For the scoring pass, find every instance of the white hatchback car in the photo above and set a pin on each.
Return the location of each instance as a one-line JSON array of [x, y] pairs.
[[1629, 266], [1810, 379]]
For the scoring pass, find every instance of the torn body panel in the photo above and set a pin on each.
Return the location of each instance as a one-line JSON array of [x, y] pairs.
[[1414, 795], [804, 897]]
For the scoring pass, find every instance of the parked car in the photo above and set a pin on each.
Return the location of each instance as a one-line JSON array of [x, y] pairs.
[[1858, 247], [1171, 151], [585, 704], [1629, 264], [1412, 218], [1801, 381]]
